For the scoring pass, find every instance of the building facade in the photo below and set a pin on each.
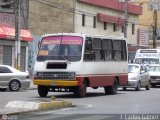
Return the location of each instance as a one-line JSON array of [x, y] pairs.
[[105, 17], [7, 36]]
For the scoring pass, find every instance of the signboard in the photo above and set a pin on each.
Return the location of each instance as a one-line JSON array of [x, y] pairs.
[[143, 37], [148, 51], [7, 20]]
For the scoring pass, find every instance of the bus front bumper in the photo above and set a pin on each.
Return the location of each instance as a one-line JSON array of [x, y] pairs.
[[65, 83]]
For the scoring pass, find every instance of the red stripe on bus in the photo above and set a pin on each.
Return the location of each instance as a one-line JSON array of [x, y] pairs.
[[102, 79]]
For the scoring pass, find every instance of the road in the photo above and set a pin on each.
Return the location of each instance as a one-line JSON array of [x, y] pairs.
[[96, 104]]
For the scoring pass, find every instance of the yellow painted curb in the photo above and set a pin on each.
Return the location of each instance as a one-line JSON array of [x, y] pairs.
[[54, 105]]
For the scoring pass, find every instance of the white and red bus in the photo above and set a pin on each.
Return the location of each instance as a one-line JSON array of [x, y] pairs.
[[72, 62]]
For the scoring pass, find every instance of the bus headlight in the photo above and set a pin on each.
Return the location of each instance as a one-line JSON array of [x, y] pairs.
[[72, 75]]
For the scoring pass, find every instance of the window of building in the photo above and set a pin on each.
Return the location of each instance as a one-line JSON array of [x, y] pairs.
[[114, 27], [83, 19], [94, 22], [133, 29], [122, 29], [105, 25]]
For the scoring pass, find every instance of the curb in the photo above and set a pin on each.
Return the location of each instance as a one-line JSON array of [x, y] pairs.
[[17, 107], [54, 105]]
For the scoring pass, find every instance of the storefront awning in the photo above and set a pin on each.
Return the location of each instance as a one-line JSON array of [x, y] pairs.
[[110, 19], [9, 33]]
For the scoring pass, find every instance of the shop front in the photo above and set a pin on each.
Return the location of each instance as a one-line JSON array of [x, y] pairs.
[[8, 47]]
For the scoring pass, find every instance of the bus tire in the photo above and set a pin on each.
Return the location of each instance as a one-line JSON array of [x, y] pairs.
[[111, 90], [42, 91], [80, 91]]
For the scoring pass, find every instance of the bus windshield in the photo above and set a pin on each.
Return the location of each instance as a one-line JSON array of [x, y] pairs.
[[147, 60], [60, 48]]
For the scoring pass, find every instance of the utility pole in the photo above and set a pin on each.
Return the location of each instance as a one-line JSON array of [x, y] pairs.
[[125, 4], [155, 29], [126, 18], [17, 34]]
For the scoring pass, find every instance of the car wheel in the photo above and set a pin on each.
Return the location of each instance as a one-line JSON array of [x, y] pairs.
[[14, 85], [43, 91], [148, 86], [138, 86]]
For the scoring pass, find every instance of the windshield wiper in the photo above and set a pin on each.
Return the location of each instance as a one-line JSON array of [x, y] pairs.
[[65, 59]]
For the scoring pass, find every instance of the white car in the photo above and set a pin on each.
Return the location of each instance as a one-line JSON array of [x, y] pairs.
[[13, 79], [154, 72], [138, 77]]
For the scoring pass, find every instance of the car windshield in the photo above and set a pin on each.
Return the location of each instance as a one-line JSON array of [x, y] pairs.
[[147, 61], [60, 48], [154, 69], [133, 69]]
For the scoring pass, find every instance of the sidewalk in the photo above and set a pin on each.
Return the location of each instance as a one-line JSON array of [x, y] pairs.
[[32, 86]]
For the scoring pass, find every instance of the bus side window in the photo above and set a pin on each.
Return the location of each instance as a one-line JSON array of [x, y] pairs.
[[107, 48], [117, 50], [124, 51], [97, 48], [88, 53]]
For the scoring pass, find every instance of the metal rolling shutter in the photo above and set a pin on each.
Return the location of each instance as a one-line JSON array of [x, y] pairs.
[[7, 55], [23, 58]]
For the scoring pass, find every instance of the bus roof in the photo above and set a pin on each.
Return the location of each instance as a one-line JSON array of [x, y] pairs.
[[81, 34], [148, 50], [56, 34]]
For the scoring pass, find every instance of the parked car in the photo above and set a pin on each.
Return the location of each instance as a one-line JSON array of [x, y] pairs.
[[13, 79], [138, 76], [154, 72]]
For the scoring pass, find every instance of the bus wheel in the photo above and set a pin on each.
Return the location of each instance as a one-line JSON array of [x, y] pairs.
[[42, 91], [111, 90], [80, 91]]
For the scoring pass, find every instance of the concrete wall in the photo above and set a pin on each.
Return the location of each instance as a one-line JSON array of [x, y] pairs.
[[51, 17]]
